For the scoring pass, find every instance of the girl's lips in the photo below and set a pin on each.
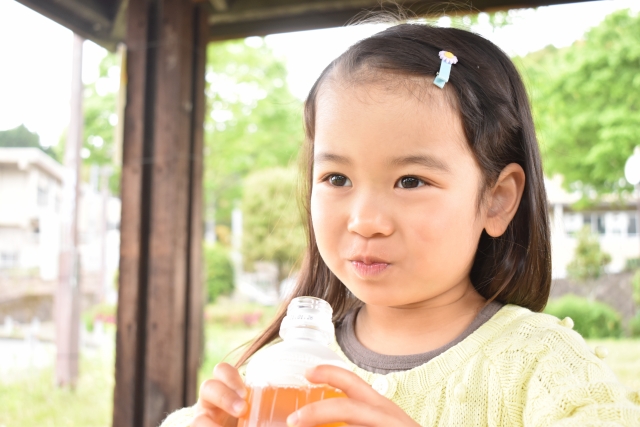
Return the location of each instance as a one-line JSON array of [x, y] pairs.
[[369, 270]]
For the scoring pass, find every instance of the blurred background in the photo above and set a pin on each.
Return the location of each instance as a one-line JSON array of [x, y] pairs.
[[581, 65]]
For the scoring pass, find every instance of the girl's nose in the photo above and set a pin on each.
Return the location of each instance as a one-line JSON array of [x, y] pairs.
[[370, 218]]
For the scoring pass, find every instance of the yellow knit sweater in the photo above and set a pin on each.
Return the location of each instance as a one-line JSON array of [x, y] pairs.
[[518, 369]]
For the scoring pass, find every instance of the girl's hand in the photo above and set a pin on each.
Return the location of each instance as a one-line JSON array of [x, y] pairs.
[[363, 406], [221, 399]]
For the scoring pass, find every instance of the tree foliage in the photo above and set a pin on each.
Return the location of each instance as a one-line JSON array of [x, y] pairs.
[[100, 114], [253, 121], [100, 119], [586, 102], [23, 137], [272, 224]]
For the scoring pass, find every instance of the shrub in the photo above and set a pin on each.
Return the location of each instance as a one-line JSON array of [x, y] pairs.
[[592, 319], [589, 260], [106, 313], [635, 286], [219, 271], [632, 264], [634, 326]]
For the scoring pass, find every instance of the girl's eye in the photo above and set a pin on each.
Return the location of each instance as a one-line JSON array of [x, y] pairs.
[[410, 182], [339, 181]]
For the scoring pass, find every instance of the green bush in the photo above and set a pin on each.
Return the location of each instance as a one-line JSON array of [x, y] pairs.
[[634, 326], [589, 260], [219, 271], [592, 319], [632, 264], [103, 312]]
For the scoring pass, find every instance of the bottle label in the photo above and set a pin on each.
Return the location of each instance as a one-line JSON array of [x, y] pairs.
[[287, 368]]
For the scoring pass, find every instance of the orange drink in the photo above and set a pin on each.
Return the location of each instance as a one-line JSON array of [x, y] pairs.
[[270, 406]]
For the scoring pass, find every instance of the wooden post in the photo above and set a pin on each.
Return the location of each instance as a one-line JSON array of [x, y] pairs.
[[159, 336], [68, 292]]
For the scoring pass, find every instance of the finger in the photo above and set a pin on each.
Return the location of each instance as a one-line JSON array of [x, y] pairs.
[[351, 384], [216, 415], [339, 410], [231, 377], [214, 394]]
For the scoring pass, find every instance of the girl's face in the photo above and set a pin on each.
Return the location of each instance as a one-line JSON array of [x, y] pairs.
[[394, 197]]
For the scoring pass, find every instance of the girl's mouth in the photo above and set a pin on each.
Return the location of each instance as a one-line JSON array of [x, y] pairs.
[[369, 269]]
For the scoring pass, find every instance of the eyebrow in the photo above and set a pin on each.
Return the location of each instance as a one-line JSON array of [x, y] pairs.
[[330, 157], [422, 160]]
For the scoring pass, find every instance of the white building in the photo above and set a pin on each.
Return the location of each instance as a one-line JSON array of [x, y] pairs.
[[30, 227], [30, 192], [615, 224]]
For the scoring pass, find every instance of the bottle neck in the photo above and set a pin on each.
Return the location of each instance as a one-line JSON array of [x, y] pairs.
[[307, 334]]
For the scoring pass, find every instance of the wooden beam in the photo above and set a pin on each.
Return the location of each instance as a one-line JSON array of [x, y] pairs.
[[101, 20], [159, 338], [256, 18]]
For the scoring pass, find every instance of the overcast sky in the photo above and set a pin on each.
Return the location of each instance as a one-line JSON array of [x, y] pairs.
[[35, 55]]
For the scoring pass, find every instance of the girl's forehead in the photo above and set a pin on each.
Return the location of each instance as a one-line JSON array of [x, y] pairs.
[[384, 86], [396, 115]]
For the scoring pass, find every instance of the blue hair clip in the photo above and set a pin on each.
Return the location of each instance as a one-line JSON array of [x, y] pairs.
[[448, 59]]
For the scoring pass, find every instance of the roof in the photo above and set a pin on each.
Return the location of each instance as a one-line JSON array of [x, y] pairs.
[[103, 21], [27, 157]]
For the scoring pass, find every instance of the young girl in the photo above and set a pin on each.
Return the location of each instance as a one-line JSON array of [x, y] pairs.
[[428, 235]]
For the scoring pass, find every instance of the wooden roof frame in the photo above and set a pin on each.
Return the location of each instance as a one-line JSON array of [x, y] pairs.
[[104, 21]]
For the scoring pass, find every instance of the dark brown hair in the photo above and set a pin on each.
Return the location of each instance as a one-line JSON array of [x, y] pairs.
[[514, 268]]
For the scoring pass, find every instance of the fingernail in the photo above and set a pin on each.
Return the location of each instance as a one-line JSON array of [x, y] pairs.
[[292, 420], [238, 407]]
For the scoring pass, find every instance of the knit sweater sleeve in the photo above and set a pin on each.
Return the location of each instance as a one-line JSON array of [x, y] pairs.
[[179, 418], [571, 386]]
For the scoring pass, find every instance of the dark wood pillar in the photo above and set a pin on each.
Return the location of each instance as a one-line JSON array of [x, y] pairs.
[[159, 337]]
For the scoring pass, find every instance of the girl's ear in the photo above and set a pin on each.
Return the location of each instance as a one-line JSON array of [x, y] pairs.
[[504, 199]]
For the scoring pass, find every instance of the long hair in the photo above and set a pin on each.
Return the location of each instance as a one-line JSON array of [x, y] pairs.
[[514, 268]]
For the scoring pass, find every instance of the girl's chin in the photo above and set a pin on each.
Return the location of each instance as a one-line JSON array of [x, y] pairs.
[[375, 294]]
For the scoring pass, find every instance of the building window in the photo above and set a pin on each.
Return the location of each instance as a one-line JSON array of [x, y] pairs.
[[632, 225], [573, 222], [616, 223], [8, 259], [600, 227], [43, 196]]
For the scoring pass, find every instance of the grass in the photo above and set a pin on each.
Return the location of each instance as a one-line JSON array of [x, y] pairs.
[[35, 401], [623, 359]]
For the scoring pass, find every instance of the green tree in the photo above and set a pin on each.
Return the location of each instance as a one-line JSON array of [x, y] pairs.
[[272, 225], [100, 113], [253, 122], [23, 137], [589, 260], [586, 102], [219, 271], [100, 117]]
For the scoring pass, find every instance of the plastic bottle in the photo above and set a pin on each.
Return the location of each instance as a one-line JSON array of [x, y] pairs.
[[275, 375]]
